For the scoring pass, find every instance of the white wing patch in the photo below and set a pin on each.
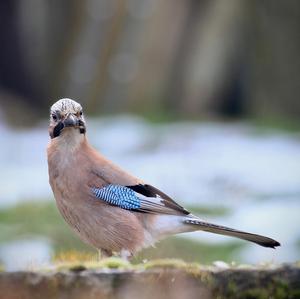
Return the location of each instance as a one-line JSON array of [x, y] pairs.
[[153, 204]]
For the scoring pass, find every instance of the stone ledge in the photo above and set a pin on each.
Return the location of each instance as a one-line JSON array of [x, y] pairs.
[[155, 283]]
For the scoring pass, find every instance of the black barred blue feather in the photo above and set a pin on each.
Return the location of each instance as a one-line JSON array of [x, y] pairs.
[[141, 198], [118, 195]]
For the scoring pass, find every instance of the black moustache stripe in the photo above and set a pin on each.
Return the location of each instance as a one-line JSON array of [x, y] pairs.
[[57, 129], [82, 128]]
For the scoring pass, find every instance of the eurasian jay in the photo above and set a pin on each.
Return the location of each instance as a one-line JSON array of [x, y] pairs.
[[107, 207]]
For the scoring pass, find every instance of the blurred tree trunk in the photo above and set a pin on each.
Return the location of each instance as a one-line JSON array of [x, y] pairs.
[[215, 63], [183, 55], [160, 41], [16, 80], [273, 88], [191, 58], [32, 38]]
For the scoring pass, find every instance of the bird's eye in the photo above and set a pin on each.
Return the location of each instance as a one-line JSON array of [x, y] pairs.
[[54, 116], [80, 113]]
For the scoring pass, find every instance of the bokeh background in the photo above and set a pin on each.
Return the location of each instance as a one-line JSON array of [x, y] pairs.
[[199, 98]]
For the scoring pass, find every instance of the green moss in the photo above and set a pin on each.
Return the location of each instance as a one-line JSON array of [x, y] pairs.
[[115, 263], [118, 263], [232, 287], [280, 289], [193, 269], [108, 263], [277, 289], [255, 293], [294, 293], [165, 263]]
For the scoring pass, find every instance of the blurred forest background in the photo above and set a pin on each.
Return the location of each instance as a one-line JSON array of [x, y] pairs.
[[197, 70], [178, 58]]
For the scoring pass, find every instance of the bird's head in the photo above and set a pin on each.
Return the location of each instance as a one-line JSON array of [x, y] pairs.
[[66, 114]]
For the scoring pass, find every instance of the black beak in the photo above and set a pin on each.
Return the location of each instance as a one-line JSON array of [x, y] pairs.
[[70, 121]]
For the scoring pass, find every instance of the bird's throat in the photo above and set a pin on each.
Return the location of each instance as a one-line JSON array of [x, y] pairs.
[[68, 140]]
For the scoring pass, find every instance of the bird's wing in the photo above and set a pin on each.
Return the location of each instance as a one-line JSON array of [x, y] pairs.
[[142, 198]]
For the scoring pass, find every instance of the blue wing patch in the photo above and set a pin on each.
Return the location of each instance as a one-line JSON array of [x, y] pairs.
[[118, 195]]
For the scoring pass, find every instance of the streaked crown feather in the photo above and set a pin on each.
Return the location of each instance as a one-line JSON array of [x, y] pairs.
[[66, 106]]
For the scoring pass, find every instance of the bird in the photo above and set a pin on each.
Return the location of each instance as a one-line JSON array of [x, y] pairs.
[[107, 207]]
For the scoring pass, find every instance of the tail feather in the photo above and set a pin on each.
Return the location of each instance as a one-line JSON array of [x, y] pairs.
[[223, 230]]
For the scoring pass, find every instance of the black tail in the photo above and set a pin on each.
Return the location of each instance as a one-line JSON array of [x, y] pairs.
[[223, 230]]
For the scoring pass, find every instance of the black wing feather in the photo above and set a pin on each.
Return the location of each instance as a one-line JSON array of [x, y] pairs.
[[150, 191]]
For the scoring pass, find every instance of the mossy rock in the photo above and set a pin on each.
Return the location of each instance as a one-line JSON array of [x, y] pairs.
[[159, 279]]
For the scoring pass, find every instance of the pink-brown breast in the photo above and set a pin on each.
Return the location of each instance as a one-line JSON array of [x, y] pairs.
[[97, 223]]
